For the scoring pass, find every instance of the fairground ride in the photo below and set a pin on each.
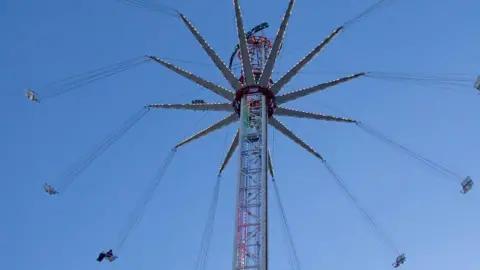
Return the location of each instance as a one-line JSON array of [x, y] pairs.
[[254, 100]]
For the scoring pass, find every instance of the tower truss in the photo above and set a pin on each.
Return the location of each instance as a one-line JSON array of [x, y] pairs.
[[253, 106]]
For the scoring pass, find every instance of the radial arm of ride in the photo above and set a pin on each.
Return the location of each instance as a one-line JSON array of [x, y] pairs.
[[242, 41], [217, 89], [270, 65], [227, 73], [285, 131], [219, 107], [302, 63], [309, 115], [313, 89], [231, 150], [222, 123], [270, 163]]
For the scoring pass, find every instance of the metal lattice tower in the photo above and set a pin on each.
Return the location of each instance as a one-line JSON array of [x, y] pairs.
[[250, 240]]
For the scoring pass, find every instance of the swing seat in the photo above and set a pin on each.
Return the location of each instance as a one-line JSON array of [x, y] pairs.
[[100, 257], [32, 96], [49, 189], [107, 256], [467, 185], [399, 261]]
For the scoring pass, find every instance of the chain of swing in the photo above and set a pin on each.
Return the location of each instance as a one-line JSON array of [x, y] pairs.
[[465, 182], [139, 210], [293, 258], [73, 82], [77, 168]]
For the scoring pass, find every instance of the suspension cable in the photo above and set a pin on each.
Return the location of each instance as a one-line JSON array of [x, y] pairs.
[[447, 81], [139, 211], [376, 6], [371, 9], [90, 72], [449, 174], [202, 258], [292, 250], [73, 82], [154, 7], [374, 225], [431, 164], [439, 77], [81, 76], [71, 174]]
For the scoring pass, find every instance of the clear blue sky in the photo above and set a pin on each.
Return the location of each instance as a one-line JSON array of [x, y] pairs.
[[427, 217]]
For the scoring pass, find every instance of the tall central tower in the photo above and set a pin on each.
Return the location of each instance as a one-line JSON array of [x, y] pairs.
[[252, 101], [254, 106]]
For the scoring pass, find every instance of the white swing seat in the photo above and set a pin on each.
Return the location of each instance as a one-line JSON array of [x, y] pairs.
[[399, 261], [49, 189], [467, 185], [32, 96]]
